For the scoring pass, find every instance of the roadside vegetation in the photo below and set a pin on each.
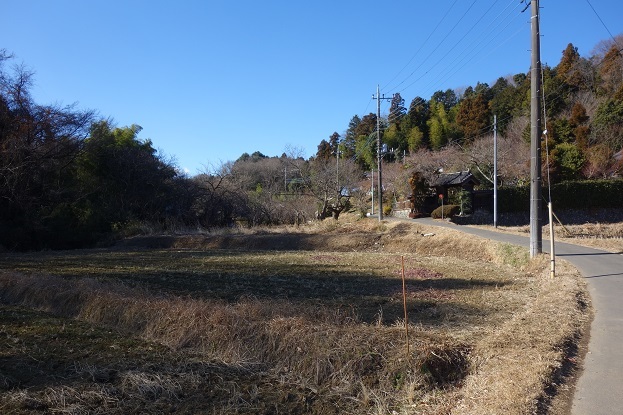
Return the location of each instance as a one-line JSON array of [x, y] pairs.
[[305, 320]]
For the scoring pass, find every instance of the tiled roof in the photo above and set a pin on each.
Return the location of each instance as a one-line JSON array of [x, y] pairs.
[[454, 179]]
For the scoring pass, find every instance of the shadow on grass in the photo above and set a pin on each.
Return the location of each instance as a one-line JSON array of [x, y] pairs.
[[367, 296]]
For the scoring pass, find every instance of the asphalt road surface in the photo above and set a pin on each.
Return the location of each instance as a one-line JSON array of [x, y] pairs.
[[599, 389]]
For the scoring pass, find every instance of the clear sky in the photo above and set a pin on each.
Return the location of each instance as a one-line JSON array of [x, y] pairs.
[[210, 80]]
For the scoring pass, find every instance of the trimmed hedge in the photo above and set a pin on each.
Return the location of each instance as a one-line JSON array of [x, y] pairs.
[[586, 194], [448, 211], [513, 199]]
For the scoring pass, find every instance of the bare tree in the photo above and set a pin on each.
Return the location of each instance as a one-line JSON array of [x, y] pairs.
[[331, 182], [513, 159], [430, 163]]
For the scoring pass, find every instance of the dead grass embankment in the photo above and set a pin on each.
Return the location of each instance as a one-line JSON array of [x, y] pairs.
[[485, 339]]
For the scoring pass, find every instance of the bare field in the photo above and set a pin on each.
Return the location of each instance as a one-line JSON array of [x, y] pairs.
[[293, 320]]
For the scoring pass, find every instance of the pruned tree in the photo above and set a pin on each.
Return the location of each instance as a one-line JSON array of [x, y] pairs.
[[331, 184]]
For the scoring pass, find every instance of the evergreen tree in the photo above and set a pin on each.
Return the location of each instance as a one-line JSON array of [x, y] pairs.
[[448, 98], [611, 73], [324, 151], [349, 143], [334, 142], [503, 102], [397, 109], [473, 116], [568, 70], [366, 142], [415, 123]]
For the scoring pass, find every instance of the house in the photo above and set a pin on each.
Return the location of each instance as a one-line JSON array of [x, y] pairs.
[[442, 185], [462, 179]]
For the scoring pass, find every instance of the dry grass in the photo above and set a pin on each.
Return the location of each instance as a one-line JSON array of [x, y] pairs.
[[605, 236], [293, 330]]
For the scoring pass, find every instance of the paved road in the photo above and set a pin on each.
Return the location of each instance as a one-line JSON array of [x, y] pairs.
[[599, 390]]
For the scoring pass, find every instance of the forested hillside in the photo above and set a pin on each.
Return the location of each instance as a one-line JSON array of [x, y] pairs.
[[71, 178], [583, 101]]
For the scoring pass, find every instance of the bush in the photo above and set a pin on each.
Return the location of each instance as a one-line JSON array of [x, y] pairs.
[[514, 199], [387, 210], [446, 211], [588, 194]]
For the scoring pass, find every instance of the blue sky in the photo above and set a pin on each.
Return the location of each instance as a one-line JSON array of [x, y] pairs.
[[209, 80]]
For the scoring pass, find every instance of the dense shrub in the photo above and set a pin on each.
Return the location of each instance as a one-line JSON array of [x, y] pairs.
[[583, 194], [588, 194], [446, 211], [514, 199]]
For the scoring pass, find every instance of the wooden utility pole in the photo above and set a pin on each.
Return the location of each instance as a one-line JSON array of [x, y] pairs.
[[536, 238]]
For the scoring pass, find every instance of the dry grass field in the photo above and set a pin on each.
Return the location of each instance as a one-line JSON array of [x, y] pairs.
[[305, 320]]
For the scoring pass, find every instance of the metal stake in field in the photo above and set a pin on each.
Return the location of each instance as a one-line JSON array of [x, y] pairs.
[[404, 302]]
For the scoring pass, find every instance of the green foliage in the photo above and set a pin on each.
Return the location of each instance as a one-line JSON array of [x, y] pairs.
[[503, 102], [445, 211], [415, 139], [561, 130], [447, 98], [567, 160], [122, 176], [397, 109], [551, 82], [438, 125], [365, 142], [394, 138], [585, 194], [588, 194], [349, 142], [608, 113], [514, 199], [513, 255], [464, 199]]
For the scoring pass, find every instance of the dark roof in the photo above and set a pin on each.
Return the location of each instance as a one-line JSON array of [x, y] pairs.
[[454, 179]]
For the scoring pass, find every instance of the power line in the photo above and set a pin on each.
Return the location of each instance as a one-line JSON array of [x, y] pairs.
[[471, 54], [459, 42], [602, 22], [423, 43], [438, 45]]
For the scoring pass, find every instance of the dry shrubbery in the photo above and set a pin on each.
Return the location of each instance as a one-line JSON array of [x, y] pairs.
[[484, 338], [324, 351], [600, 235]]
